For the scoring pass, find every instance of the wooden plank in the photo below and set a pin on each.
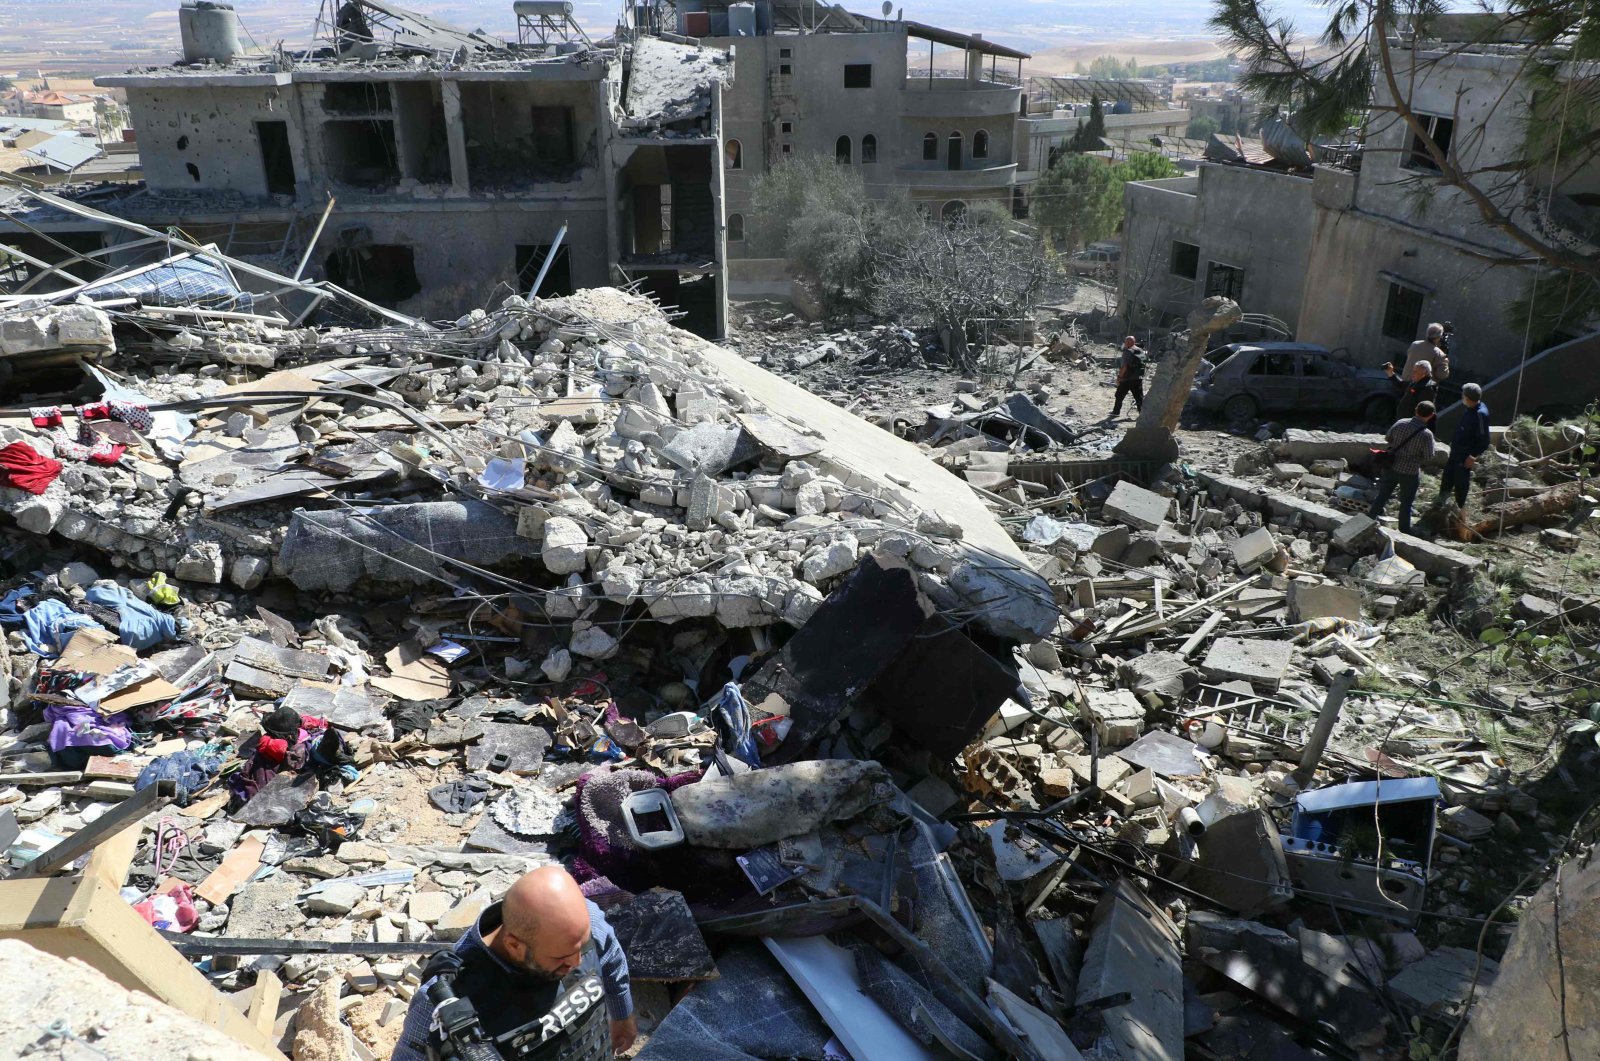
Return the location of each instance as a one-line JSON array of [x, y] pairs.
[[205, 808], [51, 777], [1211, 623], [263, 1011], [111, 860], [226, 878], [84, 918], [103, 768]]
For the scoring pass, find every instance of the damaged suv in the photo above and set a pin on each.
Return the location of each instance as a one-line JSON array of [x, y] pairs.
[[1245, 380]]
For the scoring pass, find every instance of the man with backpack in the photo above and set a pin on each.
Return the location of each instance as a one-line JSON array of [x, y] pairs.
[[1130, 377], [1410, 446]]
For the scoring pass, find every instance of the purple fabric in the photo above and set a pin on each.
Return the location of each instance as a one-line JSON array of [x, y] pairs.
[[79, 726], [604, 847]]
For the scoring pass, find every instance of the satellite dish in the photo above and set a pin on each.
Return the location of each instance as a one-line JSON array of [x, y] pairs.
[[888, 8]]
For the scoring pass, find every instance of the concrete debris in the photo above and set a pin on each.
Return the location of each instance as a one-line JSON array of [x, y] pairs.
[[402, 611]]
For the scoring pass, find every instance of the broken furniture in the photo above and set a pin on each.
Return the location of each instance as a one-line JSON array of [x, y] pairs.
[[1365, 846]]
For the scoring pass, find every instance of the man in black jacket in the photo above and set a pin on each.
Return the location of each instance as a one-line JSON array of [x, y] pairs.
[[1130, 377], [1471, 438], [1421, 387]]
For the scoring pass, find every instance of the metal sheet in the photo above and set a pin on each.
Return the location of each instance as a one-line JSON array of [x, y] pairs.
[[64, 152], [1165, 754], [827, 975]]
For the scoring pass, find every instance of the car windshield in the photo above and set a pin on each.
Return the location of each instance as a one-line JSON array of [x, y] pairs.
[[1220, 354]]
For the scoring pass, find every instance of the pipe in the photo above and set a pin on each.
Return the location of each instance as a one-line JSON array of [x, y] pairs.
[[549, 259], [312, 245]]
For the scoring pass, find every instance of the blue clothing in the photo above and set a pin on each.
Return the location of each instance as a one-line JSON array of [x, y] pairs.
[[1472, 433], [141, 625], [47, 626], [605, 950]]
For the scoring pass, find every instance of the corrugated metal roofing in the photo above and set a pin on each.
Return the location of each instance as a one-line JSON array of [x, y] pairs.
[[64, 152]]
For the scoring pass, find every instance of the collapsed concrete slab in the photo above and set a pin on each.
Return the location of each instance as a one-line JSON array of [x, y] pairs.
[[1133, 948], [400, 545]]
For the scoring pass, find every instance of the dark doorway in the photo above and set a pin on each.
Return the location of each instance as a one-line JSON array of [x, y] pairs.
[[385, 273], [954, 162], [558, 281], [694, 296], [275, 157]]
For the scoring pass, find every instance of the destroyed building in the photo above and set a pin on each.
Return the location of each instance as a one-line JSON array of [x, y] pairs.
[[457, 161], [966, 733], [814, 79], [1359, 245]]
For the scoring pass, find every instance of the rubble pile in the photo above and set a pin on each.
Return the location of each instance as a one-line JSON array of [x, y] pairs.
[[955, 737]]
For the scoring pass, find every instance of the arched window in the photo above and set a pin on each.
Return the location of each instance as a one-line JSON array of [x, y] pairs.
[[841, 151], [980, 144], [953, 211], [735, 228], [869, 149], [733, 154], [930, 148], [954, 160]]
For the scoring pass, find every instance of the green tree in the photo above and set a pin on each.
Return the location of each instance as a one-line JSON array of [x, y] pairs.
[[1201, 126], [1092, 132], [1142, 166], [815, 213], [1072, 200]]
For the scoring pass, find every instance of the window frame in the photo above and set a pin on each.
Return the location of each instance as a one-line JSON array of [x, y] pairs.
[[869, 146], [734, 162], [786, 128], [856, 69], [1234, 289], [930, 147], [847, 156], [980, 144], [1416, 157], [1172, 260], [1391, 312], [736, 227]]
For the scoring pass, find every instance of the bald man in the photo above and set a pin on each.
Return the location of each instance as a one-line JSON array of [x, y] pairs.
[[543, 955]]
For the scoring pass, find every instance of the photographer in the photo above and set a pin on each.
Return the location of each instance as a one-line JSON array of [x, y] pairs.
[[538, 962]]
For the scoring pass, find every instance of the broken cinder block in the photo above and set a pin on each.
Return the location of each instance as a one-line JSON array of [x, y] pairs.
[[1260, 662], [1137, 507], [1116, 714]]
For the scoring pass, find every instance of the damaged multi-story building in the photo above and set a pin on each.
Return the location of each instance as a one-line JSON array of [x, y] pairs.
[[456, 163], [912, 106], [1361, 245]]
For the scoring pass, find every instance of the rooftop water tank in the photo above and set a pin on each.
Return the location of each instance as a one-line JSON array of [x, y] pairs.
[[209, 29], [742, 20]]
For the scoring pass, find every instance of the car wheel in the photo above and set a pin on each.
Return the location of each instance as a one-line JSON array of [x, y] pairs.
[[1239, 407], [1379, 410]]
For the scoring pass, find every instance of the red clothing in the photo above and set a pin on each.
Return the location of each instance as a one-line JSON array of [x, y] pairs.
[[26, 468]]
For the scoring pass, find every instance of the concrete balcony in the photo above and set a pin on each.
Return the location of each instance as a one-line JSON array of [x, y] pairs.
[[952, 97], [931, 175]]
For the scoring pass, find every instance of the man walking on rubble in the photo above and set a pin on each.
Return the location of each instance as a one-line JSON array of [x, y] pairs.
[[539, 960], [1130, 377], [1471, 439], [1410, 445]]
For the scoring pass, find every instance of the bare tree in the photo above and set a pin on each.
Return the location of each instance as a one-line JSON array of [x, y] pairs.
[[948, 274]]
